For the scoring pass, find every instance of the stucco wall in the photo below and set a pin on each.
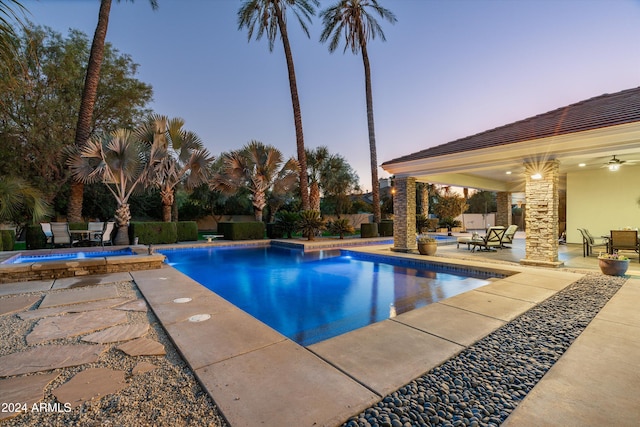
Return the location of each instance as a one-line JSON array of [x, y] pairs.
[[601, 200]]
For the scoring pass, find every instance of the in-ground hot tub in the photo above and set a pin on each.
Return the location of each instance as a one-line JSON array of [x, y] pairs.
[[54, 264]]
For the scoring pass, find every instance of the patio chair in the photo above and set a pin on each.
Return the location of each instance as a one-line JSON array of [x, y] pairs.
[[589, 242], [626, 240], [508, 235], [95, 230], [61, 234], [46, 229], [104, 236], [492, 240]]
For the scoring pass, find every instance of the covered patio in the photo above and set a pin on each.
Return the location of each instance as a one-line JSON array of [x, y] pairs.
[[578, 163]]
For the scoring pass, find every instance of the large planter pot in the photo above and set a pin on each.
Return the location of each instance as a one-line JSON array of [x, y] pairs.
[[428, 248], [613, 267]]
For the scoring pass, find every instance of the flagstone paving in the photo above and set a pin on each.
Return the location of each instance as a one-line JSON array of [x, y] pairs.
[[76, 296], [15, 304], [51, 328], [24, 391], [118, 333], [74, 308], [92, 280], [48, 357], [89, 384], [136, 305], [143, 367], [142, 347], [25, 287]]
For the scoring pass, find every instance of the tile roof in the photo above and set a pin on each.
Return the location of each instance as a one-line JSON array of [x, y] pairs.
[[599, 112]]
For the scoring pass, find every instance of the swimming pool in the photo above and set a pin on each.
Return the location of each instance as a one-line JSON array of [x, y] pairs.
[[67, 256], [313, 296]]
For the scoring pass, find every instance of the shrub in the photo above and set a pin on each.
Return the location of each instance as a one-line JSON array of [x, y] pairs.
[[369, 230], [288, 222], [310, 224], [385, 228], [187, 231], [341, 227], [8, 240], [242, 230], [153, 232], [35, 238]]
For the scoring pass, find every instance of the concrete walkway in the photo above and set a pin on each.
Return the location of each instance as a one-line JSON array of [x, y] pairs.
[[256, 376]]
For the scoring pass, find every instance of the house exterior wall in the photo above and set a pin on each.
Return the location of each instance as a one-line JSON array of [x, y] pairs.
[[601, 200]]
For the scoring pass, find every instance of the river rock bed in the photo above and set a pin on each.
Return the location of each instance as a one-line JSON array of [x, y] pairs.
[[483, 384]]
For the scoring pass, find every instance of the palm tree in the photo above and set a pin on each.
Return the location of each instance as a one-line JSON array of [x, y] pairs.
[[120, 161], [258, 167], [180, 158], [352, 18], [269, 16], [316, 163], [10, 10], [21, 202], [88, 100]]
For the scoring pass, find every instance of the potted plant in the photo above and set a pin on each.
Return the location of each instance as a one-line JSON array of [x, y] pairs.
[[427, 245], [613, 264]]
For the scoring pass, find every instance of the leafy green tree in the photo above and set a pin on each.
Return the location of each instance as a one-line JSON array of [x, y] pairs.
[[180, 158], [482, 202], [120, 161], [39, 104], [89, 96], [259, 168], [352, 20], [338, 181], [449, 206], [269, 16]]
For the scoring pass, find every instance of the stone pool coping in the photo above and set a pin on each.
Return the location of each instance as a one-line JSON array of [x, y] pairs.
[[257, 376]]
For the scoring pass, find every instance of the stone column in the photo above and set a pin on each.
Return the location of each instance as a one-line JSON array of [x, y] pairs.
[[541, 222], [503, 216], [404, 215]]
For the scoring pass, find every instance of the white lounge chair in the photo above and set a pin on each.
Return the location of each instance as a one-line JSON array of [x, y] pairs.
[[61, 235], [104, 236]]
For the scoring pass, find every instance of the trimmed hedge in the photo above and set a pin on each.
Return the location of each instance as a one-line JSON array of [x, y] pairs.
[[385, 228], [8, 240], [242, 230], [187, 231], [153, 232], [274, 231], [369, 230], [35, 238]]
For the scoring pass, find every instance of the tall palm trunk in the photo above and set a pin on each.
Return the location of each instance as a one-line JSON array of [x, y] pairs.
[[166, 195], [375, 187], [89, 92], [314, 196], [297, 114]]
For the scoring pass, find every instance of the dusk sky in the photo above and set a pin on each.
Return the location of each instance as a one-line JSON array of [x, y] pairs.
[[449, 69]]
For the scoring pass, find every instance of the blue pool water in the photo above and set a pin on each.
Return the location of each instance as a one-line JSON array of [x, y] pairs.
[[22, 259], [313, 296]]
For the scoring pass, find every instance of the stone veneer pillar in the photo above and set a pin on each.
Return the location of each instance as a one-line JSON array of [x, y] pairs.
[[541, 223], [503, 215], [404, 218]]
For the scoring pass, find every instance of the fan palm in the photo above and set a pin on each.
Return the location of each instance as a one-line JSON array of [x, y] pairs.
[[120, 161], [268, 16], [88, 100], [261, 169], [316, 162], [352, 19], [179, 157], [20, 202]]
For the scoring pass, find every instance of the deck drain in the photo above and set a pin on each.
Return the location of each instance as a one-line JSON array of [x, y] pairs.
[[199, 318], [181, 300]]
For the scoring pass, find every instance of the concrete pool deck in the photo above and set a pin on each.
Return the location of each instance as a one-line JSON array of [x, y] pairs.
[[257, 376]]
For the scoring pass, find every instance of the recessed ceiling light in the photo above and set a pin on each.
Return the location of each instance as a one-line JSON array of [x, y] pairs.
[[508, 172], [582, 165]]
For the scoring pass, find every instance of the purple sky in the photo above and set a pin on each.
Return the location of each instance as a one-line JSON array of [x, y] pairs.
[[449, 69]]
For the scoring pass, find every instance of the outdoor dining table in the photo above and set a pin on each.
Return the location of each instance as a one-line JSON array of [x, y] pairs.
[[80, 235]]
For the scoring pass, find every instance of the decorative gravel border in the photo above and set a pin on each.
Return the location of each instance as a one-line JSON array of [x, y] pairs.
[[484, 383]]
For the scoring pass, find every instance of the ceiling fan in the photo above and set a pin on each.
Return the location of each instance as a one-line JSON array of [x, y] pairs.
[[614, 163]]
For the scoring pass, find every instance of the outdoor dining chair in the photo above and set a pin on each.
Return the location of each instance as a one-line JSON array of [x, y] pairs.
[[589, 242], [104, 236], [61, 234], [624, 240]]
